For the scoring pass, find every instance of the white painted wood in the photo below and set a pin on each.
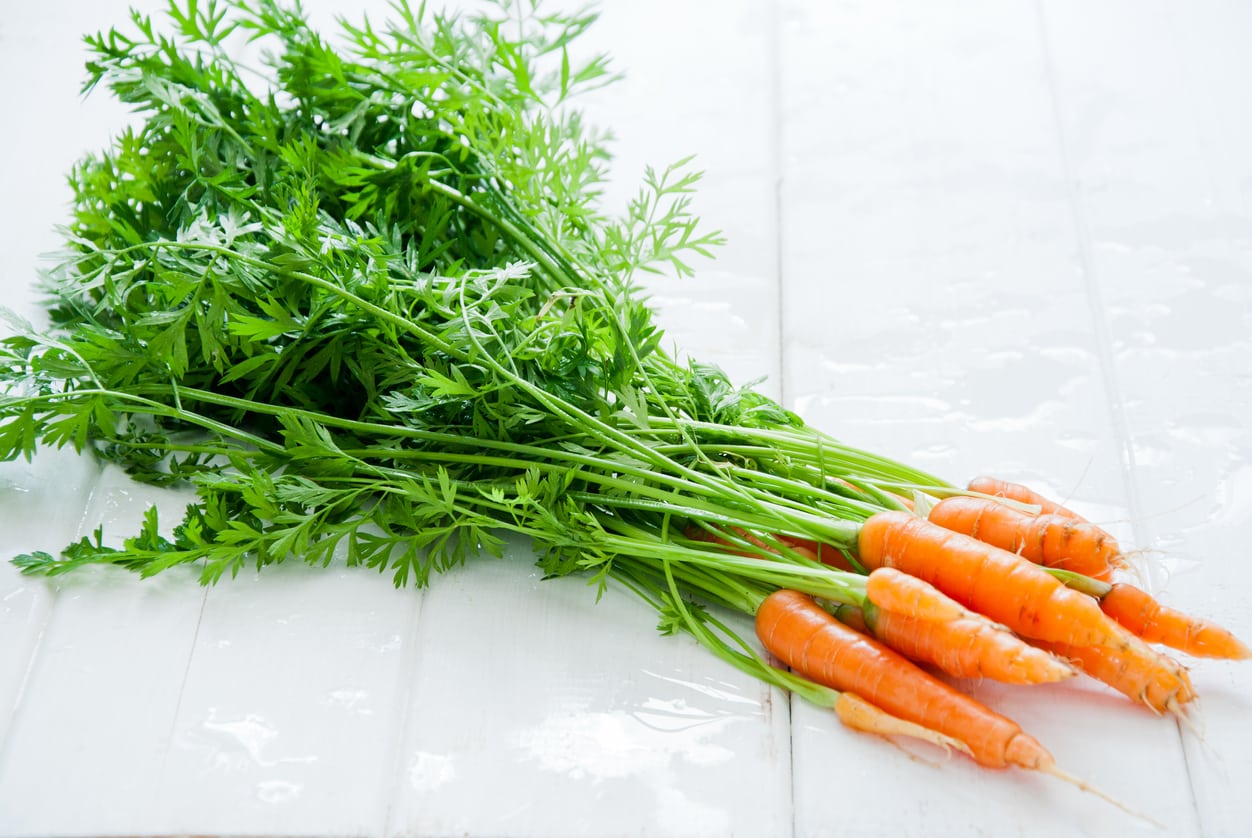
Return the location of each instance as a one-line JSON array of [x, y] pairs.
[[38, 499], [85, 750], [1159, 126], [936, 306], [980, 347], [287, 715], [1007, 237], [576, 715], [532, 695]]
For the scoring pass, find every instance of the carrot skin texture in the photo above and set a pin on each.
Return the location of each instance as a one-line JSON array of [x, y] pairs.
[[1048, 539], [806, 638], [858, 714], [1143, 616], [1134, 669], [1022, 494], [968, 647], [893, 590], [984, 578]]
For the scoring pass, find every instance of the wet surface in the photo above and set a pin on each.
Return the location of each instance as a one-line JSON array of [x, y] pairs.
[[1014, 240]]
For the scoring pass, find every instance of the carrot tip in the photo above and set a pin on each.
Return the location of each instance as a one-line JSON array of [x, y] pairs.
[[1025, 751], [1054, 770], [1229, 648], [1183, 715], [859, 714]]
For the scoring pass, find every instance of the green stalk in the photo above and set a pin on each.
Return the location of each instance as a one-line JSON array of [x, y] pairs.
[[533, 456], [811, 445], [1081, 583], [153, 408], [661, 591]]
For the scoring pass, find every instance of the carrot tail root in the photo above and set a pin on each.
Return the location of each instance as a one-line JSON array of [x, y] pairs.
[[859, 714]]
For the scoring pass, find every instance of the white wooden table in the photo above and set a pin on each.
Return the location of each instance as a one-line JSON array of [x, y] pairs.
[[1006, 237]]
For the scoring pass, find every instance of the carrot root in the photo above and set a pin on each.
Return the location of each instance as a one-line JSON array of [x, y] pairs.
[[824, 553], [1048, 539], [1081, 784], [1143, 616], [1022, 494], [991, 581], [893, 590], [859, 714], [1134, 669], [969, 647], [801, 634]]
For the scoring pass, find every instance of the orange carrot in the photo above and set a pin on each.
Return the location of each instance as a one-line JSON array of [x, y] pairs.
[[983, 578], [967, 647], [1022, 494], [1146, 618], [813, 643], [1134, 669], [893, 590], [1049, 539], [858, 714]]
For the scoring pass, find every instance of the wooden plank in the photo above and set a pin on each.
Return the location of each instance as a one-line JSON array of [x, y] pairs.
[[41, 506], [286, 719], [577, 716], [938, 309], [94, 716], [41, 503], [1160, 125], [924, 216], [56, 696]]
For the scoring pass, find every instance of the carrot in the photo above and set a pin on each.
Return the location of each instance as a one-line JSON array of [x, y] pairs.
[[1146, 618], [859, 714], [893, 590], [1048, 539], [801, 634], [967, 647], [984, 578], [1134, 669], [1022, 494]]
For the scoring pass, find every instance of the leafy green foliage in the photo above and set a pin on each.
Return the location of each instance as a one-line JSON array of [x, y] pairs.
[[365, 300]]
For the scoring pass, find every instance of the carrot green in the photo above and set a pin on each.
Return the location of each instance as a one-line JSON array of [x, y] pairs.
[[362, 294], [364, 297]]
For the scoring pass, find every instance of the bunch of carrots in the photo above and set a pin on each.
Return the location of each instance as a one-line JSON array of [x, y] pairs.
[[384, 318], [994, 582]]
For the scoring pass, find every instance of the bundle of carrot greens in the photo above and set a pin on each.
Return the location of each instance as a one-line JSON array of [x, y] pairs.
[[364, 298]]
